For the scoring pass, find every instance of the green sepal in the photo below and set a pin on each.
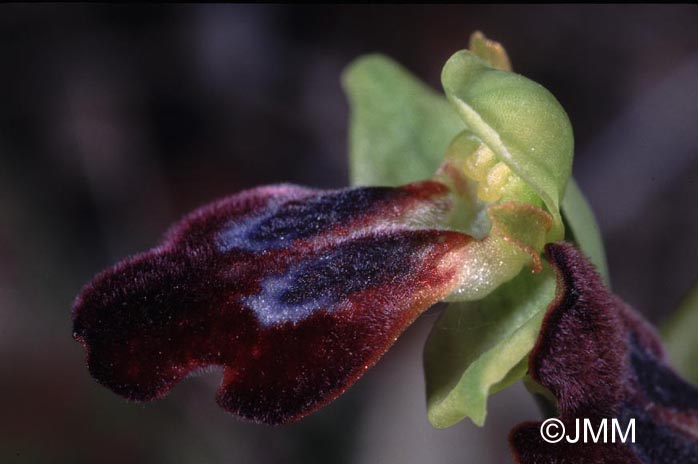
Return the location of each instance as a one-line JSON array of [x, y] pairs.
[[399, 128], [582, 229], [480, 347]]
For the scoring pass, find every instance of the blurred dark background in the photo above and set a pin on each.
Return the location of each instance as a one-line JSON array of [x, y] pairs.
[[115, 121]]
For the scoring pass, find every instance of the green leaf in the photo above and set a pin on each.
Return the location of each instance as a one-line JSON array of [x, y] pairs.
[[519, 120], [679, 334], [582, 229], [399, 128], [478, 348]]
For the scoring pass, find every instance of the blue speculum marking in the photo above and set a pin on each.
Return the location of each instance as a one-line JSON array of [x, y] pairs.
[[270, 309], [282, 223], [324, 282], [656, 442], [661, 385]]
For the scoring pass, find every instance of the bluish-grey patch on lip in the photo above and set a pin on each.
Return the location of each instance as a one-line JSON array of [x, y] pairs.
[[282, 223], [325, 281]]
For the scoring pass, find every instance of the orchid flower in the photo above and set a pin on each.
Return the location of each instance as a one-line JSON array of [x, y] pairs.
[[295, 292]]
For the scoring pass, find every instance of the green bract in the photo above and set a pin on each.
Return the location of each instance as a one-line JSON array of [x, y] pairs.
[[503, 144], [679, 334]]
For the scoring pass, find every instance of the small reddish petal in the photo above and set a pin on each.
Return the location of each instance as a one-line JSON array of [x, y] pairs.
[[600, 360], [294, 292]]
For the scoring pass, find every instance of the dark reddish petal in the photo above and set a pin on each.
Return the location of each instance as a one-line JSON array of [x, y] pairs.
[[600, 359], [293, 292]]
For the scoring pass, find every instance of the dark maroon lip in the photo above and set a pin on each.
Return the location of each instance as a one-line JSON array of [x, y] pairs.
[[294, 292], [601, 360]]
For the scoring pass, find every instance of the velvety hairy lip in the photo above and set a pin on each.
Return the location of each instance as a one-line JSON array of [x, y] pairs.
[[600, 359], [294, 292]]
